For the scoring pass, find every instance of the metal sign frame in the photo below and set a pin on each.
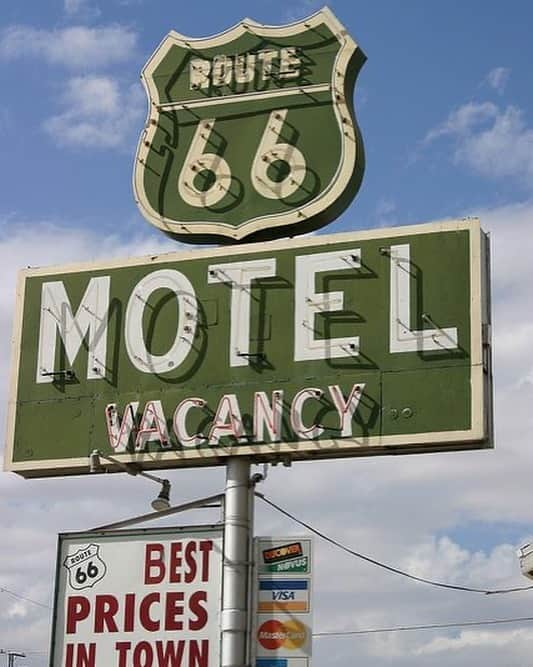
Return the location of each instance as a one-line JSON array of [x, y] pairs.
[[478, 435]]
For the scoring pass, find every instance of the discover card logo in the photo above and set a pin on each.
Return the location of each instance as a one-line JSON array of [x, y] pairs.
[[286, 558]]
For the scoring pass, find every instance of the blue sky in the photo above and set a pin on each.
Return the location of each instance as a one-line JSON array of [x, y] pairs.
[[424, 61], [445, 106]]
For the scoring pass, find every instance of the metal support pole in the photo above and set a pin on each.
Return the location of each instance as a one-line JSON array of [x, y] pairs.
[[237, 535]]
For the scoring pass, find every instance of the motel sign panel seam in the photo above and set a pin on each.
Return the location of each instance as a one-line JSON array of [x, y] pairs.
[[230, 151], [188, 389]]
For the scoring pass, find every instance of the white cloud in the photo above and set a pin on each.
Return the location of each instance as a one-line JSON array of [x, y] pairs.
[[497, 79], [301, 9], [505, 149], [98, 113], [386, 213], [84, 9], [461, 121], [473, 638], [74, 47], [512, 248], [492, 141]]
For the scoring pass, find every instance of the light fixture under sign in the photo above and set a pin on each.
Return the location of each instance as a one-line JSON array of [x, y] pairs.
[[160, 503]]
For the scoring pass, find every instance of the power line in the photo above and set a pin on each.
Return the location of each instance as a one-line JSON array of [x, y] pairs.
[[432, 626], [29, 651], [374, 631], [384, 566], [21, 597]]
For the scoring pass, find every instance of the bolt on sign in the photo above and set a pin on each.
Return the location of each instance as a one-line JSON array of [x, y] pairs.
[[230, 149], [145, 597], [282, 627], [373, 342]]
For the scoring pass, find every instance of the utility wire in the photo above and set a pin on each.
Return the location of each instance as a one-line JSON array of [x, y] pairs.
[[432, 626], [21, 597], [384, 566], [372, 631]]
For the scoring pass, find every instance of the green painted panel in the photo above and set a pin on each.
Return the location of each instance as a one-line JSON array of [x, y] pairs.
[[239, 129], [65, 419], [428, 400]]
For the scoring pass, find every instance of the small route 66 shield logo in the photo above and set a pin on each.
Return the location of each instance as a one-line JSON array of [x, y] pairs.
[[85, 567]]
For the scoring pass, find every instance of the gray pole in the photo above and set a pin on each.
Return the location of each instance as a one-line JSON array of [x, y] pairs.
[[237, 534]]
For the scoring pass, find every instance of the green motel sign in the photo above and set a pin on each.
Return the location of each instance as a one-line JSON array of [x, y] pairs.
[[353, 344], [250, 134]]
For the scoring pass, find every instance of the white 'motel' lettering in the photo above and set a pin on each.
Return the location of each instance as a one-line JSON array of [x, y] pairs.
[[308, 304], [402, 338], [139, 355], [90, 319], [240, 275], [91, 323]]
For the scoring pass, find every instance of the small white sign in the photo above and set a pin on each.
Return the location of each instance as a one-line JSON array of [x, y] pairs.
[[145, 597], [283, 602], [85, 567]]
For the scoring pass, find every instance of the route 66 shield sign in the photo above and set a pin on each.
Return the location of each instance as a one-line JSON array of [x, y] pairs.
[[85, 567], [250, 134]]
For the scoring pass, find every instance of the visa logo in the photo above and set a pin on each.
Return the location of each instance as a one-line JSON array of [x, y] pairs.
[[283, 595]]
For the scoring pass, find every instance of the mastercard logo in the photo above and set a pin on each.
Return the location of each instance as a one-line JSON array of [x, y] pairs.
[[274, 634]]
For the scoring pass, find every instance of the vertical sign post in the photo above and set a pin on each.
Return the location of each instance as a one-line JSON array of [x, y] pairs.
[[237, 535]]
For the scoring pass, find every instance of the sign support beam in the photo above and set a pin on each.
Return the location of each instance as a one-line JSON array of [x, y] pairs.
[[237, 534]]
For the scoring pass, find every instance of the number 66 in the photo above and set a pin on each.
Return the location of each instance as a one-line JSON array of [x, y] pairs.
[[270, 157]]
